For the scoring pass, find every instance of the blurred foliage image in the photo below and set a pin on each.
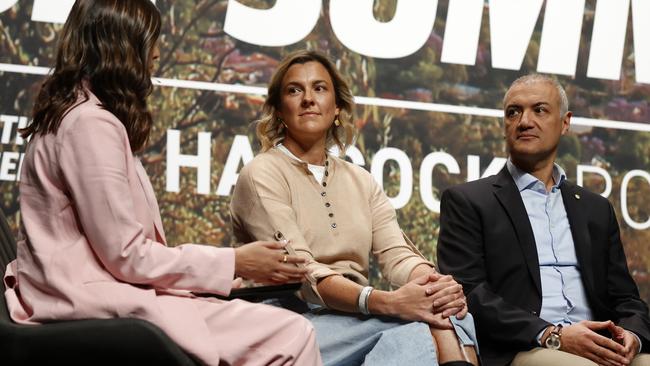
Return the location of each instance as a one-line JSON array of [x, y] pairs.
[[195, 47]]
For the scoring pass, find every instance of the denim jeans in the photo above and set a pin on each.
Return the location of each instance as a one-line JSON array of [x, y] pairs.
[[353, 339]]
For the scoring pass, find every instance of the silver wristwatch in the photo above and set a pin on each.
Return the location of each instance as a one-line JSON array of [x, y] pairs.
[[554, 340]]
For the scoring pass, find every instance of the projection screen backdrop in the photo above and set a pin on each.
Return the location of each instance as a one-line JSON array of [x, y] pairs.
[[428, 76]]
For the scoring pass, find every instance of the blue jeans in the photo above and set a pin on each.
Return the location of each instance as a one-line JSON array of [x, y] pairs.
[[351, 339]]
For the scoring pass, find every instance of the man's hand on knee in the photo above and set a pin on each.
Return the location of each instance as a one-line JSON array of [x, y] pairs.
[[630, 343], [581, 339]]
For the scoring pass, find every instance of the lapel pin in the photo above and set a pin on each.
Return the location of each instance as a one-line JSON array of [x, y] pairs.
[[577, 196]]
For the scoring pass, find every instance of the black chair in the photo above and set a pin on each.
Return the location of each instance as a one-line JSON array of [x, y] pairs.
[[80, 342]]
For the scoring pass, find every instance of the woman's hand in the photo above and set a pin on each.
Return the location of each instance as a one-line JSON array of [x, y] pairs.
[[237, 282], [414, 302], [448, 297], [267, 262]]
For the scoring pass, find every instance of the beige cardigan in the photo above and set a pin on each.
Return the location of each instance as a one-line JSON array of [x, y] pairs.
[[334, 226]]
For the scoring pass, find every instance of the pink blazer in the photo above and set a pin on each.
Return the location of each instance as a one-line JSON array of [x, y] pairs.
[[93, 245]]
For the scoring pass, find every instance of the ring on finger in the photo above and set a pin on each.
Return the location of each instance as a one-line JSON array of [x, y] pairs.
[[284, 259]]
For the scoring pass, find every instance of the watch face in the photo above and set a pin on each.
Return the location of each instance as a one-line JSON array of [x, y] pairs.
[[553, 341]]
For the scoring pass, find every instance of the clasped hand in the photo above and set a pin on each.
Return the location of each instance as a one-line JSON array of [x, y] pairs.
[[581, 339], [431, 298]]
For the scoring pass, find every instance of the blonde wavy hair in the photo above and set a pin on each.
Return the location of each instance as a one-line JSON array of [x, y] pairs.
[[270, 129]]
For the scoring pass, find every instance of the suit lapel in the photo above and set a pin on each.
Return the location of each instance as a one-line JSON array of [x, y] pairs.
[[579, 231], [508, 195]]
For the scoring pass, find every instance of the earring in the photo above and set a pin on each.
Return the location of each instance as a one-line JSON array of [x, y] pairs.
[[282, 124], [337, 122]]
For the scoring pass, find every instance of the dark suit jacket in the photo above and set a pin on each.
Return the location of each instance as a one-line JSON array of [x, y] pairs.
[[486, 242]]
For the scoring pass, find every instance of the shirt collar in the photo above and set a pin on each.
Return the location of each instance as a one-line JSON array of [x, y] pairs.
[[524, 180], [288, 152], [282, 150]]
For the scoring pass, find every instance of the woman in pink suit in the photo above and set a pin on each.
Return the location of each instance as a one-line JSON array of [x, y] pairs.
[[93, 245]]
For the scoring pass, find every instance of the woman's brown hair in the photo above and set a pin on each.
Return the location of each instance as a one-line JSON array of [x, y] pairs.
[[270, 130], [106, 45]]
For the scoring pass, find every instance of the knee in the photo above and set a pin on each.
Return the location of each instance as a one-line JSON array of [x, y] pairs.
[[300, 326]]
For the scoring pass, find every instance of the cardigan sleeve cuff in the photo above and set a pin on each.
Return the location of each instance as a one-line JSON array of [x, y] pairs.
[[400, 275]]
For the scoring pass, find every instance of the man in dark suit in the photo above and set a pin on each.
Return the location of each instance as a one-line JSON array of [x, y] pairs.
[[540, 259]]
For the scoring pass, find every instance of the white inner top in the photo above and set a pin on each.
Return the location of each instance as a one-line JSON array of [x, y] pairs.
[[318, 171]]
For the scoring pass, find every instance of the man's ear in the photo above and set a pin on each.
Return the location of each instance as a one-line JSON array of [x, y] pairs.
[[566, 122]]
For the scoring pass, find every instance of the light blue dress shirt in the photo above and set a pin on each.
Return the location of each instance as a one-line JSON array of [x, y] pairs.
[[564, 300]]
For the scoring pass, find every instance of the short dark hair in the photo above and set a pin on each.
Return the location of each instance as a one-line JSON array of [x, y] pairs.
[[564, 100]]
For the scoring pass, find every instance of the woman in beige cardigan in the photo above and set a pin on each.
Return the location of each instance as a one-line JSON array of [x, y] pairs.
[[334, 214]]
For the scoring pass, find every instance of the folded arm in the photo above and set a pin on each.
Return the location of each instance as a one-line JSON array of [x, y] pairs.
[[461, 253], [93, 156]]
